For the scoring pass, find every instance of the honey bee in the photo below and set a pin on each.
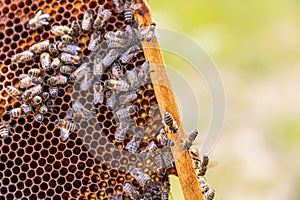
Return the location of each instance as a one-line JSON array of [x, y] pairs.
[[169, 122], [160, 164], [57, 80], [35, 72], [188, 141], [39, 117], [203, 165], [43, 109], [98, 93], [128, 12], [142, 178], [40, 47], [45, 61], [27, 109], [132, 78], [15, 112], [110, 100], [53, 91], [68, 48], [127, 97], [116, 71], [4, 130], [79, 72], [56, 63], [94, 41], [150, 149], [134, 143], [150, 32], [102, 16], [27, 81], [128, 55], [36, 100], [76, 28], [124, 113], [115, 39], [38, 20], [67, 39], [207, 191], [66, 69], [80, 110], [119, 7], [70, 59], [86, 82], [98, 67], [31, 92], [144, 72], [23, 56], [61, 30], [87, 20], [166, 190], [121, 131], [131, 191], [120, 85], [110, 58], [45, 96], [50, 103], [53, 50], [66, 126], [13, 92], [168, 157]]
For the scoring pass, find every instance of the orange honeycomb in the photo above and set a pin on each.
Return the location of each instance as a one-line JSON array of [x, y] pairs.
[[35, 163]]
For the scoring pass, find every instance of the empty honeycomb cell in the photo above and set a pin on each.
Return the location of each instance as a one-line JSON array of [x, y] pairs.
[[34, 189]]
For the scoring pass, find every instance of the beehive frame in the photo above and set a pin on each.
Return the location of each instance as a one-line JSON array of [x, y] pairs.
[[35, 164]]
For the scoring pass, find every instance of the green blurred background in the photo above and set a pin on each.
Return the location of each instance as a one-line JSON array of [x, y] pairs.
[[255, 45]]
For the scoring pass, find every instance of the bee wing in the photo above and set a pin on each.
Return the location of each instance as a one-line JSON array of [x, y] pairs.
[[145, 31], [136, 6], [39, 13], [156, 33], [23, 76], [69, 114], [64, 134], [212, 163], [100, 9]]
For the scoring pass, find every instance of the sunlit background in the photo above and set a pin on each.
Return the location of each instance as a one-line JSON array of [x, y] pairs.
[[255, 45]]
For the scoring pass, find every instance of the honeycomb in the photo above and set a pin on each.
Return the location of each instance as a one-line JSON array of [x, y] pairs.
[[35, 163]]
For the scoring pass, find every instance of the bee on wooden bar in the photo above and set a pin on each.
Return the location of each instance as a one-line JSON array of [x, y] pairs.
[[150, 32], [169, 122], [87, 20], [163, 139], [38, 20], [190, 138], [13, 92], [207, 192], [102, 16], [23, 56]]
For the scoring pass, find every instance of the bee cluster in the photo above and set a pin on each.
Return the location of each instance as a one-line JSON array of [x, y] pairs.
[[79, 116]]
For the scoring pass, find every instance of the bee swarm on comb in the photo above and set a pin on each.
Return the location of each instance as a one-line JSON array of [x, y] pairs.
[[79, 117]]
